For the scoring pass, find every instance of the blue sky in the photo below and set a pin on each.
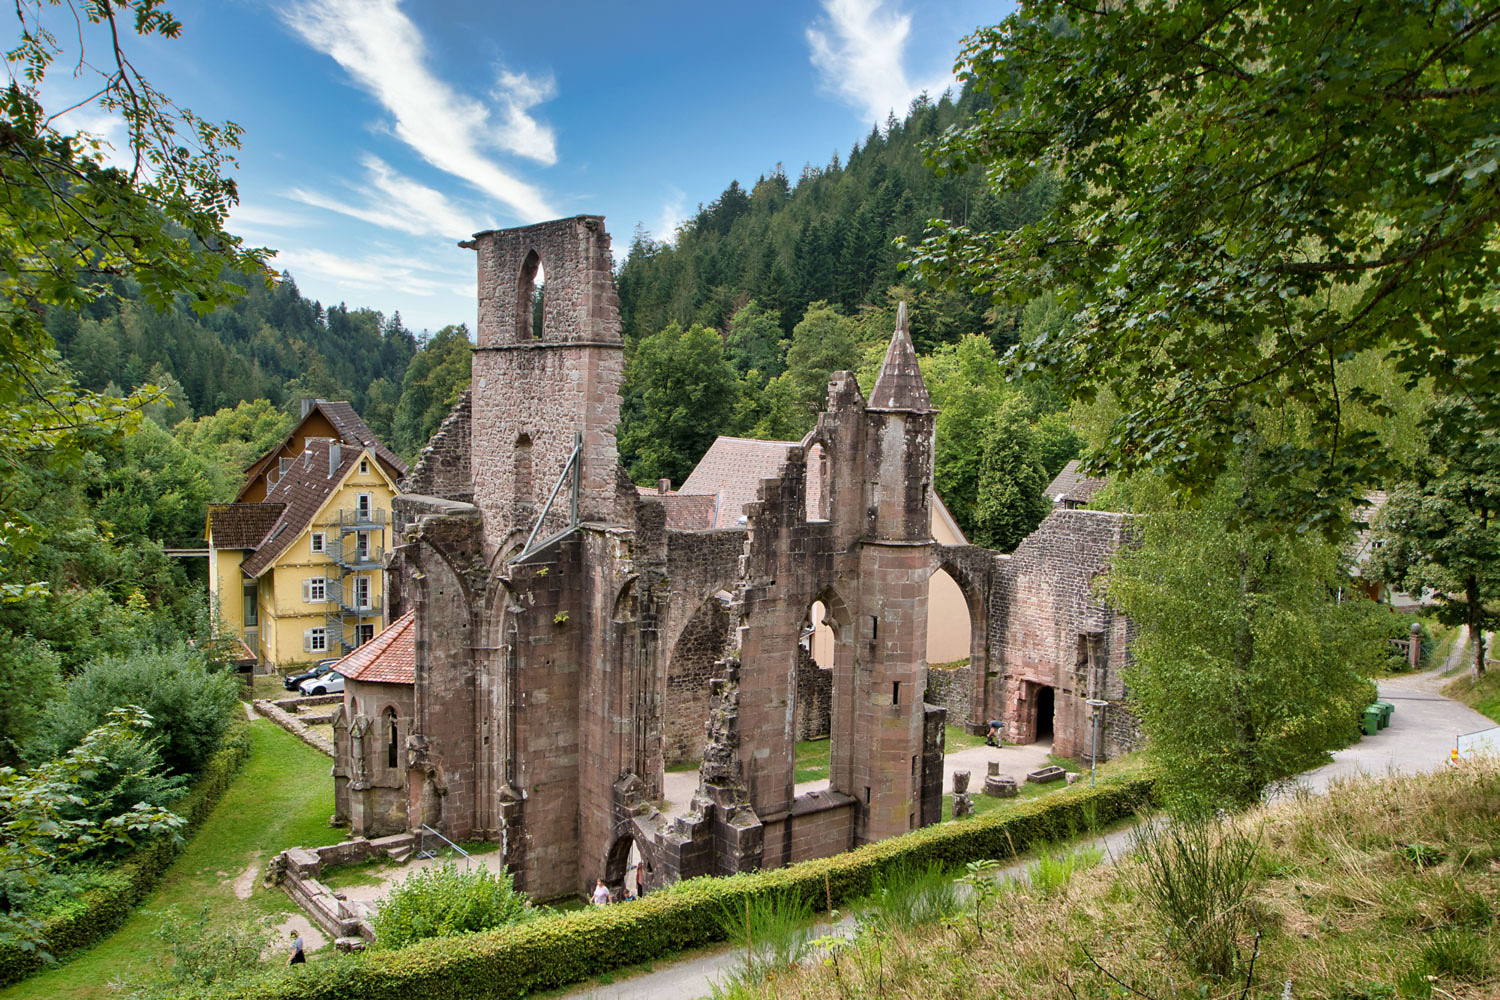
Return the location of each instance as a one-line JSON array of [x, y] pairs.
[[378, 133]]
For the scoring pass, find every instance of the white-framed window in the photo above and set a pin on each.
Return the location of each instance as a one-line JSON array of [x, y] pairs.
[[365, 633], [364, 504], [362, 546], [317, 543], [362, 592], [315, 640], [364, 467], [315, 590]]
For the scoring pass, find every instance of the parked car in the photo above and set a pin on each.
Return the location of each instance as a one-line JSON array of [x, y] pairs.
[[293, 682], [330, 683]]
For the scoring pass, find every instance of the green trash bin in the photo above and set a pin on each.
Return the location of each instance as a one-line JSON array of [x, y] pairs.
[[1386, 711], [1371, 720]]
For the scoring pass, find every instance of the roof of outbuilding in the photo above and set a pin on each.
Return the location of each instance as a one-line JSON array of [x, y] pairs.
[[729, 475], [389, 658], [1072, 486], [241, 525]]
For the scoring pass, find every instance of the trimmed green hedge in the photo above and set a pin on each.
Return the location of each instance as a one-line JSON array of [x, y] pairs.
[[91, 916], [555, 951]]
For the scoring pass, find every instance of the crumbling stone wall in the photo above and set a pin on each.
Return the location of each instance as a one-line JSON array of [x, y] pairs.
[[692, 667], [442, 469], [952, 689], [1048, 627], [814, 697]]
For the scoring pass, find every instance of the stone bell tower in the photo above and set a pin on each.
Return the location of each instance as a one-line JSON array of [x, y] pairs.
[[538, 387]]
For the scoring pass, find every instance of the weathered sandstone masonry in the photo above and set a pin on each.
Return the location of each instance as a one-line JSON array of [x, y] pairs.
[[569, 645]]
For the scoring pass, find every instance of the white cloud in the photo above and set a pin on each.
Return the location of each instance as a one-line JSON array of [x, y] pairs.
[[522, 134], [860, 49], [395, 201], [258, 216], [672, 216], [382, 50], [375, 272]]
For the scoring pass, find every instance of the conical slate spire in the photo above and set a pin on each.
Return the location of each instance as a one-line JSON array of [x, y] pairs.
[[900, 385]]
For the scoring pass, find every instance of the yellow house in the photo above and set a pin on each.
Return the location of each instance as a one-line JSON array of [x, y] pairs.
[[296, 562]]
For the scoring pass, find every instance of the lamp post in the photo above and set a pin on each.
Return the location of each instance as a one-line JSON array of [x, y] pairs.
[[1095, 704]]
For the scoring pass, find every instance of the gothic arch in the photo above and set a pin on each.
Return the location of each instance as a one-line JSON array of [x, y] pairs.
[[974, 596], [525, 282]]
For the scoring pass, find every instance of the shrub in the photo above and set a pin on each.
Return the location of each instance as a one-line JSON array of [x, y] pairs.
[[189, 704], [132, 772], [774, 931], [202, 954], [29, 679], [446, 902], [910, 895]]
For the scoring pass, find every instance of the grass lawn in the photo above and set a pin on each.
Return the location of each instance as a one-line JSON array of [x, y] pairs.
[[812, 760], [812, 755], [1128, 766], [281, 798], [1482, 694]]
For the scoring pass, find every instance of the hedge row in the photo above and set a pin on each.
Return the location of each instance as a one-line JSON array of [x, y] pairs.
[[87, 918], [558, 950]]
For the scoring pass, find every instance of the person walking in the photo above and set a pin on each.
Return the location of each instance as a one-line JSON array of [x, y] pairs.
[[297, 955], [602, 896]]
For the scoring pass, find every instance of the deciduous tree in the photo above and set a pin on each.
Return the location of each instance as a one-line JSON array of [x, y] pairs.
[[1442, 531], [1249, 197]]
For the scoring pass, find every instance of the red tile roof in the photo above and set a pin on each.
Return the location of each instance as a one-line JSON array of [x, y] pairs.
[[351, 429], [389, 658]]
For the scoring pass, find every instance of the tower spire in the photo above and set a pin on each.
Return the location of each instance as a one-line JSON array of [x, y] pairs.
[[900, 385]]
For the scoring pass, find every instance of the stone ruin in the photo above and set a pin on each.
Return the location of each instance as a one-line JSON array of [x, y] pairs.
[[555, 607]]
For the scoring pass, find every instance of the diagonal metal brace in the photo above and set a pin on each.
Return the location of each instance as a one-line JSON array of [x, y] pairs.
[[570, 467]]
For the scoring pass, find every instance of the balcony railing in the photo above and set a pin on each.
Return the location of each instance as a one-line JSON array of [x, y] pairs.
[[354, 519], [351, 555]]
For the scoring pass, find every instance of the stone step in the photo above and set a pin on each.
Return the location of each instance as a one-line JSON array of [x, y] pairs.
[[400, 855]]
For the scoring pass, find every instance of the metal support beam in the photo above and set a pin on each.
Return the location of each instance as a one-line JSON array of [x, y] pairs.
[[572, 467]]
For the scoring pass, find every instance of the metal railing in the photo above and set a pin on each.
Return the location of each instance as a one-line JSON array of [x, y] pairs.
[[425, 851], [354, 519], [349, 555]]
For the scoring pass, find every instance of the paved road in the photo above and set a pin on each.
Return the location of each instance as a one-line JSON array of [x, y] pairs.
[[1420, 735]]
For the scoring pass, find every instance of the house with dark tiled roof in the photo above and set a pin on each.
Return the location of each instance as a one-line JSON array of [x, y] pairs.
[[295, 563], [370, 729]]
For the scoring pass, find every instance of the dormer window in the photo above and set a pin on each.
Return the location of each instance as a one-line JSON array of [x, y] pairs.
[[364, 467]]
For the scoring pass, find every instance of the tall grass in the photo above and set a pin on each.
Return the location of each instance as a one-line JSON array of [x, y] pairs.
[[773, 932], [1196, 875], [910, 896], [1050, 873]]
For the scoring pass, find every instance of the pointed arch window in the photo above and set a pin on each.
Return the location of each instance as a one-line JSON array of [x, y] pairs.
[[530, 306]]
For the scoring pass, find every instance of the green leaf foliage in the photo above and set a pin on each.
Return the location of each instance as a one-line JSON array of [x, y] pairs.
[[436, 376], [446, 902], [1247, 667], [79, 920], [1442, 530], [1250, 198], [191, 706], [679, 394]]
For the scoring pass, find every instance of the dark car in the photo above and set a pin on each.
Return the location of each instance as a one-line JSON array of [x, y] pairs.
[[290, 681]]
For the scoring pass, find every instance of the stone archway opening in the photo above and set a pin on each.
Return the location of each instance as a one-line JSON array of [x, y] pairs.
[[624, 868], [692, 666]]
